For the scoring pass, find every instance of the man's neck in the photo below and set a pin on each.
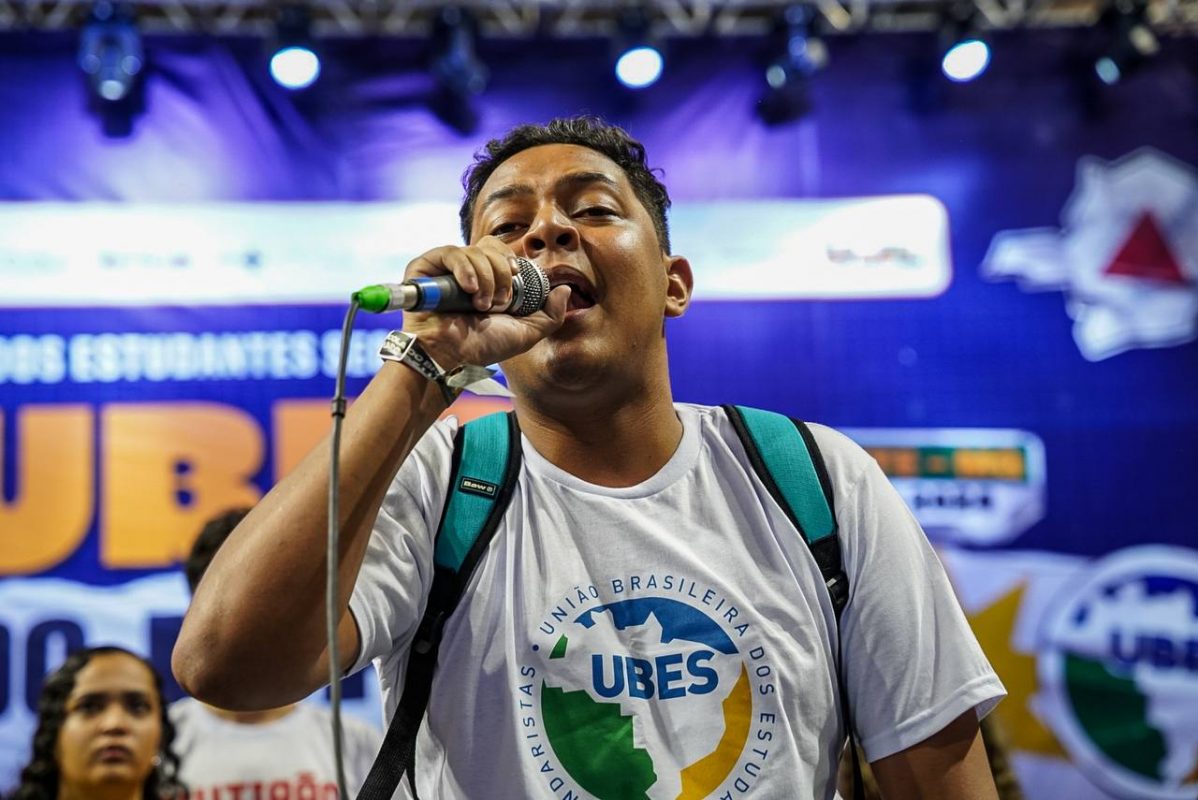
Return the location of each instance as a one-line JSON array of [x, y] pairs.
[[252, 717], [607, 446], [106, 791]]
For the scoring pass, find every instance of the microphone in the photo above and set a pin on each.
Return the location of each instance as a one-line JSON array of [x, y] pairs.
[[530, 288]]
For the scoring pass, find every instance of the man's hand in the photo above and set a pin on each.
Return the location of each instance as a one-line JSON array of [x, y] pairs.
[[485, 270]]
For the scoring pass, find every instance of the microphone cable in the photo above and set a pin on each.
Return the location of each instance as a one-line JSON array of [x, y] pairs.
[[332, 582]]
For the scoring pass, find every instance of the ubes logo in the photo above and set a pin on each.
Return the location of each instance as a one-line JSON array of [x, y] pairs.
[[662, 694], [1119, 671]]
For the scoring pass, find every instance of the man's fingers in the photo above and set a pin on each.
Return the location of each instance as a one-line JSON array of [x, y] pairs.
[[484, 270], [505, 269], [482, 267], [555, 308]]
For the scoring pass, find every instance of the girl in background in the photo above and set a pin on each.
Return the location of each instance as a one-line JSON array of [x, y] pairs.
[[102, 733]]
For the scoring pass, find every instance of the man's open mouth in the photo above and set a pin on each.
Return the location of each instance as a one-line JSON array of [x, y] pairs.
[[582, 293]]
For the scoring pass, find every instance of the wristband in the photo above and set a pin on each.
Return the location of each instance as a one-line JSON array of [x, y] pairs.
[[403, 348]]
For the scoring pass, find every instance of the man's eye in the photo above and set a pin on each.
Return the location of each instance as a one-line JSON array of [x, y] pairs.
[[596, 211], [505, 228]]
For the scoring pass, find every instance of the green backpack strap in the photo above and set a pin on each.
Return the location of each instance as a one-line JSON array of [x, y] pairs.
[[486, 461], [786, 458], [483, 472]]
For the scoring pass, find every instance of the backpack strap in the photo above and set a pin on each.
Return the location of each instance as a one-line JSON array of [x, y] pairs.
[[483, 472], [788, 462]]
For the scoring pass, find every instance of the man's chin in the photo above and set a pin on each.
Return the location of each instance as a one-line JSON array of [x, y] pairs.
[[553, 367]]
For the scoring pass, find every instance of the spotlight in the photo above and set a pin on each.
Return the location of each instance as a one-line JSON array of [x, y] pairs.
[[639, 61], [456, 65], [294, 64], [964, 53], [459, 73], [788, 74], [110, 52], [1132, 41], [965, 60], [639, 67]]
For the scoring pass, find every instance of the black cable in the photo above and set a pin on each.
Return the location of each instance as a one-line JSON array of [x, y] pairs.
[[333, 589]]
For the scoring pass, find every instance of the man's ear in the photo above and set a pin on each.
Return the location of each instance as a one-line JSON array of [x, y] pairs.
[[680, 284]]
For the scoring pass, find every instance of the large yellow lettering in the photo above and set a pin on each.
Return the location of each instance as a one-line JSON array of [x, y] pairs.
[[168, 468], [299, 425], [473, 406], [53, 504]]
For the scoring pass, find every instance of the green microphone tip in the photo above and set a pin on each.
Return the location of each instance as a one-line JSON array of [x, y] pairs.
[[372, 298]]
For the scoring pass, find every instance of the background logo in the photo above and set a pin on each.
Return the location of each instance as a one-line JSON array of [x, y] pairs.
[[1119, 671], [1126, 254], [646, 697]]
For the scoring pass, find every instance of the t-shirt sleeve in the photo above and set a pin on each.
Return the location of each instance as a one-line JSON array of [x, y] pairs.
[[362, 743], [912, 663], [389, 594]]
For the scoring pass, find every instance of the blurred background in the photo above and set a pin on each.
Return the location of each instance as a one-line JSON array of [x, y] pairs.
[[966, 233]]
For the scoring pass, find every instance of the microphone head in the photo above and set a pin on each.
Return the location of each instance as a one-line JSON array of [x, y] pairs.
[[530, 289]]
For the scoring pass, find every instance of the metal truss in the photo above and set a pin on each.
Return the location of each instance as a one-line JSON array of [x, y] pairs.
[[582, 18]]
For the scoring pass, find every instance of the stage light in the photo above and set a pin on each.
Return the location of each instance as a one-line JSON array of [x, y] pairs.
[[1132, 41], [639, 67], [294, 67], [459, 73], [110, 52], [639, 60], [455, 63], [965, 60], [294, 64], [964, 52], [789, 73]]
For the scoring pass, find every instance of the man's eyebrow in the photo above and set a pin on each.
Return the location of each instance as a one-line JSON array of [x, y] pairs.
[[575, 180]]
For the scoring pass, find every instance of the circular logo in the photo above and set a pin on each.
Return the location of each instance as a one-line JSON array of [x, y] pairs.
[[647, 696], [1119, 670]]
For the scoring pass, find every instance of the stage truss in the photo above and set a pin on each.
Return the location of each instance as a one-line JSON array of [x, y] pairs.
[[584, 18]]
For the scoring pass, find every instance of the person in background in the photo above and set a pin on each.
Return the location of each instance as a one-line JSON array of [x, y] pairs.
[[102, 733], [227, 753]]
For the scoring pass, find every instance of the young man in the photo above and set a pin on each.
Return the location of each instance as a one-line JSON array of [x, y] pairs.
[[646, 622], [267, 753]]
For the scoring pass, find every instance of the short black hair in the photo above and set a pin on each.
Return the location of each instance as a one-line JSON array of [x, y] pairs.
[[584, 131], [211, 537]]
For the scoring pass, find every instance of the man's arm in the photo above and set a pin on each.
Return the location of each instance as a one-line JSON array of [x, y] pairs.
[[254, 636], [949, 765]]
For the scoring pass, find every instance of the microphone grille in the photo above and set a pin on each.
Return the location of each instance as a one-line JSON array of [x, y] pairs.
[[534, 289]]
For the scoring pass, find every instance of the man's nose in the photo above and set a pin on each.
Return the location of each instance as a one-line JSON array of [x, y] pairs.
[[550, 230]]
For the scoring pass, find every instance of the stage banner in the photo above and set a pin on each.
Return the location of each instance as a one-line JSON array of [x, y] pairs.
[[161, 364]]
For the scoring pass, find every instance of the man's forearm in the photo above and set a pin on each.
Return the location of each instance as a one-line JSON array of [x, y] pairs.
[[255, 634]]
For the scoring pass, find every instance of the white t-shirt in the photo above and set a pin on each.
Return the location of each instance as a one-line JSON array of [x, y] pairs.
[[282, 758], [672, 639]]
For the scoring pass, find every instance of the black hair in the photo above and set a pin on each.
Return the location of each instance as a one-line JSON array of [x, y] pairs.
[[39, 779], [584, 131], [211, 537]]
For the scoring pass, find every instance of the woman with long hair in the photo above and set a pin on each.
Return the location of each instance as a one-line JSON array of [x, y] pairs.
[[102, 733]]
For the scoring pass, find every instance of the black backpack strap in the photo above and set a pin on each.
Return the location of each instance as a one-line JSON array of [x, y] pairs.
[[486, 463], [787, 460]]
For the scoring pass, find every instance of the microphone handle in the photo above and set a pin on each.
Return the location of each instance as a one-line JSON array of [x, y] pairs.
[[441, 293]]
